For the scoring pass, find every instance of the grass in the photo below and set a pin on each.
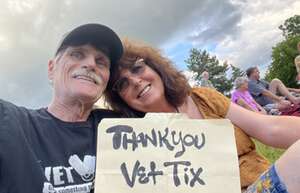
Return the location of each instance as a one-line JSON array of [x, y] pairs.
[[272, 154]]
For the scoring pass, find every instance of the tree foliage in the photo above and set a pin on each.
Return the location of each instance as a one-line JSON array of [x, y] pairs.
[[284, 53], [200, 60], [282, 66], [291, 27], [236, 72]]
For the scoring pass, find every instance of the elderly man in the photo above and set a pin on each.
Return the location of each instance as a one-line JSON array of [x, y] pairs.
[[53, 149], [265, 93]]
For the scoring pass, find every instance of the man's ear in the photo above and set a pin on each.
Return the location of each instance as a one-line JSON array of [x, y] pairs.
[[51, 64]]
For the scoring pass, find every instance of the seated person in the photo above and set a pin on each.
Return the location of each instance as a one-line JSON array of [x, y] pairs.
[[265, 93], [242, 97], [205, 82], [297, 64]]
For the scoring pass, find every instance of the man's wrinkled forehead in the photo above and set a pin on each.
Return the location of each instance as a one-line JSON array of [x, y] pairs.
[[102, 49]]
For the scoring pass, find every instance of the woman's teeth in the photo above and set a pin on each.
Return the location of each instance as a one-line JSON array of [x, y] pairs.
[[144, 91]]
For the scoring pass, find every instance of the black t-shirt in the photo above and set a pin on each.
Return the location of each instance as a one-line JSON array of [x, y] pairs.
[[42, 154]]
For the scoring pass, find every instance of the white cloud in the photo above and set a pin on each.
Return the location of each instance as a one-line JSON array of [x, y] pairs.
[[31, 29], [258, 33], [190, 77], [243, 30]]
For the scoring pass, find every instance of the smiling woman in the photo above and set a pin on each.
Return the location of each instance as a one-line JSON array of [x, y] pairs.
[[145, 81], [161, 79]]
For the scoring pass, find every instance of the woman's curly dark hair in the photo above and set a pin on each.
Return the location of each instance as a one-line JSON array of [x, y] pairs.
[[175, 84]]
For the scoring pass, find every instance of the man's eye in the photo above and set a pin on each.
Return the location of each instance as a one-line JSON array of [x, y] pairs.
[[102, 63], [77, 54]]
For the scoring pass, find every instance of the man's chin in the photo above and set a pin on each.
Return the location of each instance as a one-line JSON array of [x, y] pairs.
[[88, 97]]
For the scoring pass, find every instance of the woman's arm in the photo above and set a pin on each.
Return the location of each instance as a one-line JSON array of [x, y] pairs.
[[277, 131]]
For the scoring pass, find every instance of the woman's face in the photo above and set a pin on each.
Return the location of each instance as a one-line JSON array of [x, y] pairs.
[[244, 86], [140, 87]]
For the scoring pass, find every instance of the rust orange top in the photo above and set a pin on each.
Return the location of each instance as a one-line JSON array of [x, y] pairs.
[[214, 105]]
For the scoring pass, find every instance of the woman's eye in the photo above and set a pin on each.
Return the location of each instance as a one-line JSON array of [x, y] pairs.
[[121, 85], [137, 69]]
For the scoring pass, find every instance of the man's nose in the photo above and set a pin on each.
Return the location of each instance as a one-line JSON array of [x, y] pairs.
[[90, 62]]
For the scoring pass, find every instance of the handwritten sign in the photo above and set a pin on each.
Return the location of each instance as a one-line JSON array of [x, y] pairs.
[[166, 153]]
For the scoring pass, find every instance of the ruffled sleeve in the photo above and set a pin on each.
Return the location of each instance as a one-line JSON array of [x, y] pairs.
[[210, 102]]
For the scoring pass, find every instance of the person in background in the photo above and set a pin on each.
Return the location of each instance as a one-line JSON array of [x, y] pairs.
[[205, 82], [242, 97], [297, 64], [265, 93], [145, 81]]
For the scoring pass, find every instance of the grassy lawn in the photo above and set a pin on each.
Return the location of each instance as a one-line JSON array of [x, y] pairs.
[[272, 154]]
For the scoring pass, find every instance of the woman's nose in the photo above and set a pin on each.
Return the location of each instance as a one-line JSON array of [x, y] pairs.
[[136, 81]]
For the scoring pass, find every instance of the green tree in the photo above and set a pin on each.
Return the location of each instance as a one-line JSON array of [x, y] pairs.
[[282, 66], [291, 27], [284, 53], [200, 60], [236, 72]]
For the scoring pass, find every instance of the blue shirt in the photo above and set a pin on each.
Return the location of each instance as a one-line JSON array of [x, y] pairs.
[[256, 87]]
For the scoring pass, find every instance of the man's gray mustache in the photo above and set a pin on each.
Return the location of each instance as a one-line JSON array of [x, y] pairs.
[[90, 74]]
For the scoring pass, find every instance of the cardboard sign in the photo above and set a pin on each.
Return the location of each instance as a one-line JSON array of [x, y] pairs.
[[166, 153]]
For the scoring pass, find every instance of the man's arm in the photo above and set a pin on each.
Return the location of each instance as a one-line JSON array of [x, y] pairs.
[[282, 103], [272, 96], [296, 90]]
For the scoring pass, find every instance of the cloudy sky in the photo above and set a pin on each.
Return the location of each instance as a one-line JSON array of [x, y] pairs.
[[240, 31]]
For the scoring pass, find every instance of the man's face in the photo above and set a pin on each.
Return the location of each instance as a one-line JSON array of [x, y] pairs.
[[255, 74], [79, 73]]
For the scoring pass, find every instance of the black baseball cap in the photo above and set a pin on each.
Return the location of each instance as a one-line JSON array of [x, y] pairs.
[[97, 35]]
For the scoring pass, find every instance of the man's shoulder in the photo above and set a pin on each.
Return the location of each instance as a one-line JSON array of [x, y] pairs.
[[257, 82], [15, 121], [7, 108], [98, 114], [264, 81], [252, 82], [255, 87], [105, 113], [5, 103]]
